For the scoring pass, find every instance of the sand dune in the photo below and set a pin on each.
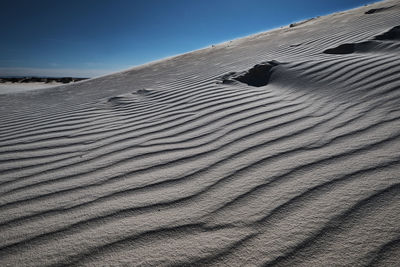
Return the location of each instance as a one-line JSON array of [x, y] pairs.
[[278, 149]]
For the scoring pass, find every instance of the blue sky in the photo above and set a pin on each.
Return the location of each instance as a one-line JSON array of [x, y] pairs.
[[94, 37]]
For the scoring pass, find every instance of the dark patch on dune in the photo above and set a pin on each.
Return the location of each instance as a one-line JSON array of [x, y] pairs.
[[300, 22], [142, 92], [376, 10], [353, 47], [341, 49], [392, 34], [380, 42], [114, 100], [257, 76]]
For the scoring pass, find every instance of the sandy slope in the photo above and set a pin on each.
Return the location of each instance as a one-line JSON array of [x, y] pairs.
[[181, 162]]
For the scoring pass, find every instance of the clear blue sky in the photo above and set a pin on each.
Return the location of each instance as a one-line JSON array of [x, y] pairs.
[[94, 37]]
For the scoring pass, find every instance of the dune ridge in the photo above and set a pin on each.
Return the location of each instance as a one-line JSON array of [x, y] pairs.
[[277, 149]]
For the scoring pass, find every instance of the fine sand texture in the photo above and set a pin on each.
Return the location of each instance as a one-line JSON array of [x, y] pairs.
[[278, 149]]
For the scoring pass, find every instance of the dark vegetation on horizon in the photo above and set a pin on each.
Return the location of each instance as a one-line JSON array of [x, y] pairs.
[[40, 79]]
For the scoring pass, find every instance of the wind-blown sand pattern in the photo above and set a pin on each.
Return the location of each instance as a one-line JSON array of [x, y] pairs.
[[181, 162]]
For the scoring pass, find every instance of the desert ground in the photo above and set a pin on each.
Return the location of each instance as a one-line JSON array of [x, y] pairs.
[[278, 149]]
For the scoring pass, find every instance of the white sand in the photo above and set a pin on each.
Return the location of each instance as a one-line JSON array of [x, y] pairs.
[[178, 163], [9, 87]]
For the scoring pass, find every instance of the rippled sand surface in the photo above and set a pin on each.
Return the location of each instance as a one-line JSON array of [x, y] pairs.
[[278, 149]]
